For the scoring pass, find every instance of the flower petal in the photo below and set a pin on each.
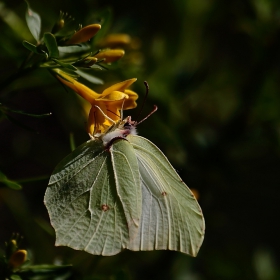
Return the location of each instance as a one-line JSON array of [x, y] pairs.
[[96, 119], [113, 96], [130, 103], [81, 89], [122, 86]]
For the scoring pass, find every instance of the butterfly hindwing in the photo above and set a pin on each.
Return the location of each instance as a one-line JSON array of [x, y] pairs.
[[127, 178], [171, 217]]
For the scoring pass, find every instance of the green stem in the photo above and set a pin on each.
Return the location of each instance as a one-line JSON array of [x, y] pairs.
[[23, 64], [21, 71], [33, 179]]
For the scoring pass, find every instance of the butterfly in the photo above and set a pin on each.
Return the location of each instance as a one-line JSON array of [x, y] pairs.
[[119, 191]]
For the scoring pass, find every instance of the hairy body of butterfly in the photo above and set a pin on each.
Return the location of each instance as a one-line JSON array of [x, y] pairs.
[[120, 192]]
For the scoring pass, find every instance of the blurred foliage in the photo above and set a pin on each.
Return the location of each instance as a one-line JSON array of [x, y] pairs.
[[213, 70]]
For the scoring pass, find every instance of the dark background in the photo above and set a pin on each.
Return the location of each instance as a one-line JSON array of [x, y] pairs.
[[213, 71]]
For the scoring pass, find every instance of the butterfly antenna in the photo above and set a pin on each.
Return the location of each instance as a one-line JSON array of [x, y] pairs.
[[113, 113], [154, 110], [109, 119], [122, 109], [145, 98]]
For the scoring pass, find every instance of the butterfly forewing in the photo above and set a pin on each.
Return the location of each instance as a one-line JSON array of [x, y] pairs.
[[82, 200], [171, 217]]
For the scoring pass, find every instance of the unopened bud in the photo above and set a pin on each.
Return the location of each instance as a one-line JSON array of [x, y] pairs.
[[84, 34], [18, 258], [115, 40], [89, 61], [59, 25], [14, 243], [110, 55], [195, 193]]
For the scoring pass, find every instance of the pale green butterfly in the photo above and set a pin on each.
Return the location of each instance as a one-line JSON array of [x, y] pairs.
[[119, 191]]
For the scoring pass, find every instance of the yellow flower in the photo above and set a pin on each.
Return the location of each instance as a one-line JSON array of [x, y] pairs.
[[110, 101], [110, 55], [84, 34]]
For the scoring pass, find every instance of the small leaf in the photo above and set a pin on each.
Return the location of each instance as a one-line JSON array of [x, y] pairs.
[[13, 185], [44, 270], [2, 177], [9, 183], [65, 65], [74, 49], [42, 52], [96, 66], [67, 71], [35, 49], [72, 142], [33, 22], [15, 277], [30, 46], [51, 44], [90, 78]]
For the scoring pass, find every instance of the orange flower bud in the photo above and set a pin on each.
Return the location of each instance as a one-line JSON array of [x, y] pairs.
[[84, 34], [110, 55], [18, 258], [114, 40], [60, 24], [89, 61], [14, 242], [195, 193]]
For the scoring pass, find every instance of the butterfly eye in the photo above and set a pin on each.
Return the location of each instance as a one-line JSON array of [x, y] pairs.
[[127, 125]]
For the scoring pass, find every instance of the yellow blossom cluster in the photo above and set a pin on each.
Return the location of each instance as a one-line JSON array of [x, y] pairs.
[[113, 99], [105, 105]]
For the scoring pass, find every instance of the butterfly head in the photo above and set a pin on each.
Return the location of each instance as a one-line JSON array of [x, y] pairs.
[[119, 130]]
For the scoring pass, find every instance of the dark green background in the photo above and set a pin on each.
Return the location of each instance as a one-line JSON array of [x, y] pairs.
[[213, 71]]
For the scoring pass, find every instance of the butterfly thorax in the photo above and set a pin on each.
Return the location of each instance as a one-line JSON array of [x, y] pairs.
[[119, 130]]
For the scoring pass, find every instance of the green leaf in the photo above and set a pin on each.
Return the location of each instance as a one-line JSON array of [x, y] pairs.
[[89, 77], [74, 49], [96, 66], [51, 44], [15, 277], [13, 185], [43, 270], [30, 46], [72, 142], [117, 192], [65, 65], [9, 183], [69, 72], [35, 49], [33, 22]]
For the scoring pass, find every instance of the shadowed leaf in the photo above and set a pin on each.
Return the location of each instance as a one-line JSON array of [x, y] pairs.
[[51, 44], [33, 22]]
